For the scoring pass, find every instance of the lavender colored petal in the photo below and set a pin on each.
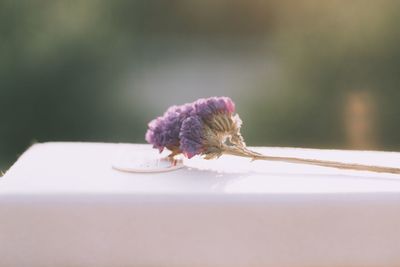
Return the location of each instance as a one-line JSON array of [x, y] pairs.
[[164, 131], [191, 136], [202, 108], [154, 134], [207, 107]]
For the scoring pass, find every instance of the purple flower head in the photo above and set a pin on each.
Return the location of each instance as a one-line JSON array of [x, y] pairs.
[[184, 111], [154, 134], [172, 126], [191, 136], [181, 129], [164, 131], [207, 107]]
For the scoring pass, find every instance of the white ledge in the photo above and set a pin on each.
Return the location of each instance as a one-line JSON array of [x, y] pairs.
[[62, 204]]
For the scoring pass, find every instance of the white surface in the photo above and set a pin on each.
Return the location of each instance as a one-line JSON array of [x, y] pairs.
[[62, 204], [144, 160]]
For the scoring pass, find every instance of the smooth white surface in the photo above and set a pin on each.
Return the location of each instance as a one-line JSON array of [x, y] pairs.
[[71, 168], [62, 204], [144, 160]]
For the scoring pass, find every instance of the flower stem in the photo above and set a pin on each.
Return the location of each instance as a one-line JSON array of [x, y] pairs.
[[245, 152]]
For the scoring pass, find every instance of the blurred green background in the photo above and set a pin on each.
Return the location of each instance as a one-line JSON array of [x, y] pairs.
[[303, 73]]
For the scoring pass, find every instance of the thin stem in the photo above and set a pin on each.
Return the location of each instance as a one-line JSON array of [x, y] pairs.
[[244, 152]]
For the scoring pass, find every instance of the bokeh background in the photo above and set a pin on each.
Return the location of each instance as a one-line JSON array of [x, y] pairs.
[[320, 74]]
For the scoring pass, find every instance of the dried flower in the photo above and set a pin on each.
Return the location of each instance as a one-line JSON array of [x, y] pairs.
[[210, 128], [196, 128]]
